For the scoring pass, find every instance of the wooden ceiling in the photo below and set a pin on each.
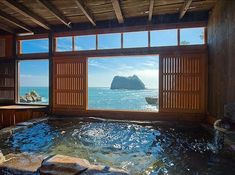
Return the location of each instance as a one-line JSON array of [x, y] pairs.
[[25, 15]]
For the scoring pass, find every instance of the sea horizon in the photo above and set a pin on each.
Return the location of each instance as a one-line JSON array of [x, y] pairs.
[[106, 98]]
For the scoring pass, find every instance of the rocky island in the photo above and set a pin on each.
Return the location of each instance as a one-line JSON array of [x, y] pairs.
[[31, 97], [130, 83]]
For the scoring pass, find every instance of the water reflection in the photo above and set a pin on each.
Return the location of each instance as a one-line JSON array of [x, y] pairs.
[[139, 149]]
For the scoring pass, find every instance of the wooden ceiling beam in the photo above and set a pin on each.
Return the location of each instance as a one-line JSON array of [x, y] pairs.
[[85, 11], [118, 11], [151, 4], [14, 21], [18, 7], [185, 8], [49, 6], [6, 28]]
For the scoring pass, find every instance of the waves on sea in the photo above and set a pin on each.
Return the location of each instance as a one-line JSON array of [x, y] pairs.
[[105, 98]]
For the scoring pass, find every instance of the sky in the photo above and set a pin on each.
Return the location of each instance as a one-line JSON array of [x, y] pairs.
[[102, 70], [34, 73]]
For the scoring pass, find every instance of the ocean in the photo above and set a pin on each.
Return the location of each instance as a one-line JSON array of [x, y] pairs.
[[105, 98]]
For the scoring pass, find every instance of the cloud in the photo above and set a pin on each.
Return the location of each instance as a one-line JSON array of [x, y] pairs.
[[97, 64], [150, 77], [102, 70]]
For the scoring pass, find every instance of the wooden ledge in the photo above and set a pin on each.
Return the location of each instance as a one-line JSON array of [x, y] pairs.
[[19, 107]]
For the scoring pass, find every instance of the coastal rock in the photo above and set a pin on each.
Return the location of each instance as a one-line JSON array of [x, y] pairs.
[[30, 97], [130, 83], [65, 165]]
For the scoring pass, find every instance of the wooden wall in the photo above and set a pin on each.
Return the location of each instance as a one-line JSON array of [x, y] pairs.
[[221, 42], [7, 82], [6, 46], [17, 114]]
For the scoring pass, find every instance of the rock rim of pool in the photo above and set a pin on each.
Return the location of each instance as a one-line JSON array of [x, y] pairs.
[[66, 165], [30, 164]]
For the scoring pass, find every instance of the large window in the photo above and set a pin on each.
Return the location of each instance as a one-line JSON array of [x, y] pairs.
[[64, 44], [33, 82], [123, 83], [109, 41], [87, 42], [34, 46], [135, 39], [163, 38], [153, 38], [192, 36]]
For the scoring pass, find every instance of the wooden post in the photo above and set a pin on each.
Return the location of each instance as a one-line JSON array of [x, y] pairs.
[[51, 51]]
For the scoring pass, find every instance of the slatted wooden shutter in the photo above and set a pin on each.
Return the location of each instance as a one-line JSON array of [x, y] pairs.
[[69, 85], [183, 83]]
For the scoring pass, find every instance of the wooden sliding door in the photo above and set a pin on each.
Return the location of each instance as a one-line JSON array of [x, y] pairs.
[[183, 82], [69, 84]]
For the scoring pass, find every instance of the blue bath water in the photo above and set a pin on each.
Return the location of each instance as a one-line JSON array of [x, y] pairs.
[[148, 149]]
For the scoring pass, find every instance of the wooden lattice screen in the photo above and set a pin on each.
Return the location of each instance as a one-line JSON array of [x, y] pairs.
[[7, 82], [69, 85], [183, 83]]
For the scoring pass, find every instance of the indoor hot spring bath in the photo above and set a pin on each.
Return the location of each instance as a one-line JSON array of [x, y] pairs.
[[138, 148]]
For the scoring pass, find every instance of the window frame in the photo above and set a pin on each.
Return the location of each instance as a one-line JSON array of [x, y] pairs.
[[31, 37], [74, 42], [123, 110], [17, 86], [204, 36], [148, 46], [98, 43]]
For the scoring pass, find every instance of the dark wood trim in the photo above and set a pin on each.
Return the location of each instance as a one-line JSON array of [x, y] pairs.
[[73, 43], [30, 37], [49, 6], [133, 28], [178, 37], [118, 11], [85, 11], [39, 56], [149, 39], [51, 44], [185, 8], [97, 43], [17, 83], [19, 8], [122, 40], [133, 51], [132, 115]]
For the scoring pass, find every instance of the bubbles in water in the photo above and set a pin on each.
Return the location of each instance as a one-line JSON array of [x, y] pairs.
[[137, 148]]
